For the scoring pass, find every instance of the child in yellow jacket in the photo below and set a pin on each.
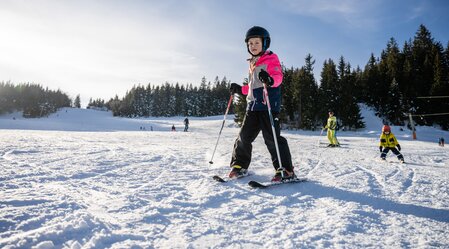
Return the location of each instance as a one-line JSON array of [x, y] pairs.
[[389, 142], [331, 127]]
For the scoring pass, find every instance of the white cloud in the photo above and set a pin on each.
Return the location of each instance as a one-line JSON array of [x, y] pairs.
[[350, 13]]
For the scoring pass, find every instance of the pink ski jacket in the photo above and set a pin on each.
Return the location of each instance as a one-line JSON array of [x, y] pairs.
[[254, 90]]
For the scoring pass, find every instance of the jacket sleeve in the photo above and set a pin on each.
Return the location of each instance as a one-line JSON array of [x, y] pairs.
[[245, 89], [382, 140], [274, 69], [395, 141]]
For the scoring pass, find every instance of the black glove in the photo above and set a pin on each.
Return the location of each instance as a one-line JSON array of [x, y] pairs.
[[399, 147], [265, 78], [380, 148], [235, 88]]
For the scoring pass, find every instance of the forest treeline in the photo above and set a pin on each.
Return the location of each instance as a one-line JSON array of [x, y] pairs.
[[393, 84], [32, 99]]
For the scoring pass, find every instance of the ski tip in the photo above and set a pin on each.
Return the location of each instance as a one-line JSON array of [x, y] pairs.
[[210, 162], [218, 179]]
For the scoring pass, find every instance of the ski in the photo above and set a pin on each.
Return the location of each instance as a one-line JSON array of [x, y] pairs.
[[226, 179], [255, 184], [400, 162], [218, 178], [330, 147], [387, 161]]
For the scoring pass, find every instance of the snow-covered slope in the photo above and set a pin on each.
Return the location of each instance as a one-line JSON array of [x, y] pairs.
[[74, 119], [128, 188]]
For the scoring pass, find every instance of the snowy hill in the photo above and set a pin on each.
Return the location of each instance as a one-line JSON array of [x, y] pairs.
[[73, 119], [125, 187]]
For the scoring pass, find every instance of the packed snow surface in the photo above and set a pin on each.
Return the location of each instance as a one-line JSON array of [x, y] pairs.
[[85, 179]]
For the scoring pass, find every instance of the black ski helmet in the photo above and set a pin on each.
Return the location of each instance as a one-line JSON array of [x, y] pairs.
[[257, 31]]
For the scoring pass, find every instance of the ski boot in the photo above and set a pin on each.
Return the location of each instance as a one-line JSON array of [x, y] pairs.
[[237, 172], [288, 175]]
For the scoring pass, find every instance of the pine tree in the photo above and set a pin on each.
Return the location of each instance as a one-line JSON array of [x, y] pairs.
[[390, 78], [423, 60], [440, 86], [240, 106], [371, 80], [393, 110], [77, 102], [329, 94], [287, 88], [347, 109], [148, 100], [360, 90], [305, 94], [114, 105]]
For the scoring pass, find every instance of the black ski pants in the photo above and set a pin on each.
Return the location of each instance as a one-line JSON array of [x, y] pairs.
[[384, 153], [253, 123]]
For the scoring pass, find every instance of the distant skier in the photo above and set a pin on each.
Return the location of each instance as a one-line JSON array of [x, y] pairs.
[[264, 68], [441, 142], [173, 128], [388, 142], [186, 125], [331, 127]]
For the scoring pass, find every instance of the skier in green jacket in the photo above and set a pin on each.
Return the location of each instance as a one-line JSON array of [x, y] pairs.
[[331, 126]]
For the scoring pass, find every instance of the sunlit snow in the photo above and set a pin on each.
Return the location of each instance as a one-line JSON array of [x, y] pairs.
[[85, 179]]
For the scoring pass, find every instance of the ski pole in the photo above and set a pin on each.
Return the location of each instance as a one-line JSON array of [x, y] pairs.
[[222, 125], [267, 100], [319, 139]]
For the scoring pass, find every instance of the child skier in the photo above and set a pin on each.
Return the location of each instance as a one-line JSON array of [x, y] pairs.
[[441, 142], [388, 142], [331, 126], [186, 124], [264, 68]]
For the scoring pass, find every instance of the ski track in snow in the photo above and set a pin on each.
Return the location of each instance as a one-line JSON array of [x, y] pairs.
[[154, 190]]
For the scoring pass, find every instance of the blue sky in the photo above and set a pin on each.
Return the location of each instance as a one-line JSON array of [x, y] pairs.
[[100, 48]]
